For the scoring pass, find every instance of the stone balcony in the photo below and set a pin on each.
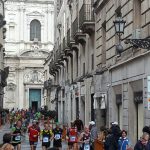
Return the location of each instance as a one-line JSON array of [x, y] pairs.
[[77, 34], [86, 19]]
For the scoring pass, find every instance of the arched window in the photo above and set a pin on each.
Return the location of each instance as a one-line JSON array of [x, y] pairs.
[[35, 30]]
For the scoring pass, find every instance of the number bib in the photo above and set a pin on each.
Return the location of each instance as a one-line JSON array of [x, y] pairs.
[[57, 136], [18, 138], [72, 138], [86, 147], [35, 143], [45, 139]]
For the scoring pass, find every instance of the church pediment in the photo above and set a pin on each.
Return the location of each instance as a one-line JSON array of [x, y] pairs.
[[35, 54], [35, 13]]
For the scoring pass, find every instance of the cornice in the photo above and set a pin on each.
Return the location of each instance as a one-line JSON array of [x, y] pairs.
[[33, 1]]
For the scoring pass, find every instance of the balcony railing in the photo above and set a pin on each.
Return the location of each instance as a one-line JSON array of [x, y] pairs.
[[65, 45], [75, 27], [86, 14]]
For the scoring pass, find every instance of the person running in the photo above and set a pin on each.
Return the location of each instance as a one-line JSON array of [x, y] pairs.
[[123, 142], [46, 137], [33, 133], [57, 135], [85, 139], [72, 137], [16, 133]]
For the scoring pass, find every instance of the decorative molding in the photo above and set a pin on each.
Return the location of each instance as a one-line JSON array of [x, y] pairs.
[[34, 76], [11, 87]]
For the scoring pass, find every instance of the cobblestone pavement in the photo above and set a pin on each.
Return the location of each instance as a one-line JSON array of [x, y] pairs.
[[25, 140]]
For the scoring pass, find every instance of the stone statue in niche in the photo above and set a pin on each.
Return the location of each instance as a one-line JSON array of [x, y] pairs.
[[35, 76], [11, 87]]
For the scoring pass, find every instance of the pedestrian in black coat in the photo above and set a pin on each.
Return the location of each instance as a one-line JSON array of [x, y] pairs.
[[143, 143]]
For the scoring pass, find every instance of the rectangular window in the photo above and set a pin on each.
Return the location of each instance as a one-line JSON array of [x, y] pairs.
[[11, 32], [83, 68], [104, 43], [92, 61]]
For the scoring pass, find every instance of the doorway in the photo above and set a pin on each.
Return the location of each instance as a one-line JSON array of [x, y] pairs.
[[77, 107], [35, 99], [92, 108], [34, 106]]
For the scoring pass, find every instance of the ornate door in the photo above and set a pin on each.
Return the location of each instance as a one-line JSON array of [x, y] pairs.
[[35, 98]]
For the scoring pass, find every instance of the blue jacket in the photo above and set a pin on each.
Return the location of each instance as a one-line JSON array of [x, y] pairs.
[[123, 143]]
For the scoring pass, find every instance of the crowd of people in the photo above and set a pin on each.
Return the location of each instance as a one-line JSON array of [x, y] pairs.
[[77, 135]]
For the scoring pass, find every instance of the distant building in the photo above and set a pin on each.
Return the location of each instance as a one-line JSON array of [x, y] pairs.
[[3, 71], [28, 43]]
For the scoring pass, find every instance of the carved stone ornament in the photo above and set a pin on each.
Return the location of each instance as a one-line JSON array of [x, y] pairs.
[[35, 77], [11, 87]]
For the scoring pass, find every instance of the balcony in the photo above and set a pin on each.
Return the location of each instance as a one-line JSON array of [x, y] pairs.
[[65, 44], [86, 19], [70, 40], [78, 36]]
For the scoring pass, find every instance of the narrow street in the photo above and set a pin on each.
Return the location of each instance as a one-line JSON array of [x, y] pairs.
[[25, 140]]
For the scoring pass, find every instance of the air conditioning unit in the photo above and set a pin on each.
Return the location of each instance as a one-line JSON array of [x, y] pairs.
[[136, 34]]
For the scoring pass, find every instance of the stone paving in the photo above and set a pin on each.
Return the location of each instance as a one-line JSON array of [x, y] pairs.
[[25, 140]]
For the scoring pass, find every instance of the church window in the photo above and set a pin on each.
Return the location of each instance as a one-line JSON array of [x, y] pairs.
[[11, 32], [35, 30]]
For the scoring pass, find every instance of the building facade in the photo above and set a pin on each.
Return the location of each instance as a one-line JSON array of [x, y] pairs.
[[28, 43], [92, 79], [3, 71]]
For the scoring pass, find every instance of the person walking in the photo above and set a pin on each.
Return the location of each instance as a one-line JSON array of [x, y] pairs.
[[143, 143], [93, 133], [16, 135], [46, 137], [123, 142], [57, 136], [33, 132]]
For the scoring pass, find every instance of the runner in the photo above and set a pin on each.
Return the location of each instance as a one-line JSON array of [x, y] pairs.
[[46, 137], [57, 134], [16, 133], [85, 139], [33, 132], [72, 137]]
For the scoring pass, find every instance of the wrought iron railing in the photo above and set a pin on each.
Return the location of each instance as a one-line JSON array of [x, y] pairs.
[[86, 14]]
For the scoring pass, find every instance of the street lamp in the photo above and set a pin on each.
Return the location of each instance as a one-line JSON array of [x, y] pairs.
[[119, 28], [119, 24]]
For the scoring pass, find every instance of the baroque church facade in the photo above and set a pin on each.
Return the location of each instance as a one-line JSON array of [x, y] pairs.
[[29, 40]]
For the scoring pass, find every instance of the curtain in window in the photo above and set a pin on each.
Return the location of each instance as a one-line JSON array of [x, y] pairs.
[[35, 30]]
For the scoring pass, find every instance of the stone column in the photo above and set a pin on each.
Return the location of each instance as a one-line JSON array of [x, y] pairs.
[[125, 106]]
